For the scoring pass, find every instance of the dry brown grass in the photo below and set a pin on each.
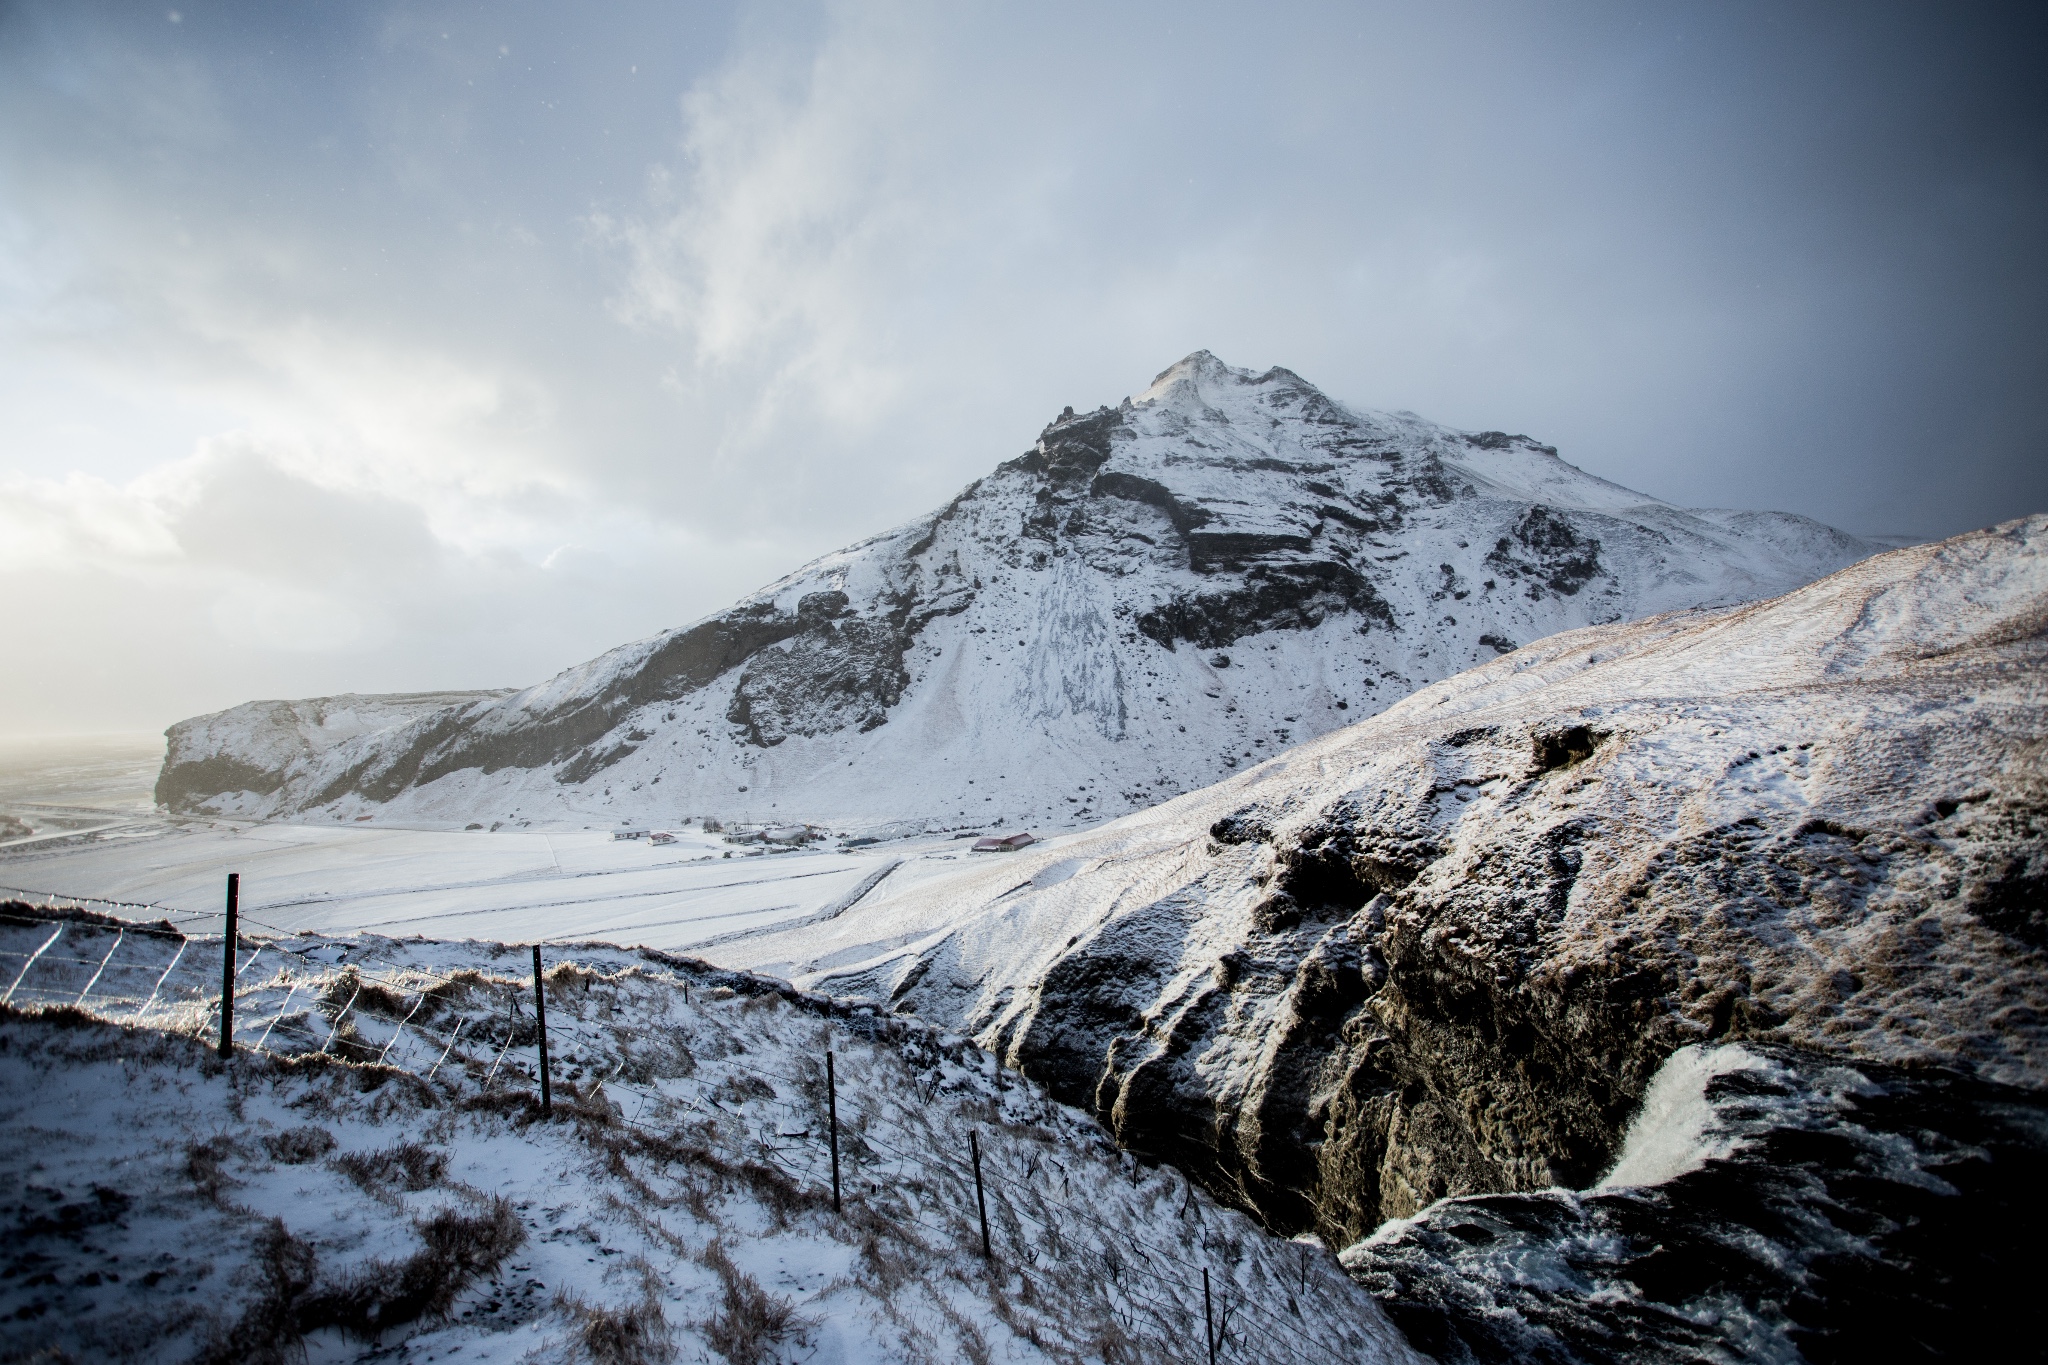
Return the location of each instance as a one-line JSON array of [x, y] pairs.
[[567, 977], [268, 1331], [206, 1167], [349, 990], [408, 1166], [345, 1043], [455, 1249], [461, 987], [887, 1268], [737, 1088], [78, 914], [1112, 1345], [520, 1107], [782, 1196], [657, 1058], [750, 1322], [298, 1146], [634, 1334]]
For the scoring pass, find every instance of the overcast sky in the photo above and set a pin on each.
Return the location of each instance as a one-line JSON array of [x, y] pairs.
[[384, 347]]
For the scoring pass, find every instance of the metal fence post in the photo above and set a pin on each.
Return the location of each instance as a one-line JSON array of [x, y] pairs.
[[832, 1110], [1208, 1323], [227, 969], [540, 1016], [980, 1201]]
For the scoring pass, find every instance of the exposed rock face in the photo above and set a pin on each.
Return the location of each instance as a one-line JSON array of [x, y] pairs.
[[234, 760], [1046, 647], [1444, 951], [1544, 550], [832, 677]]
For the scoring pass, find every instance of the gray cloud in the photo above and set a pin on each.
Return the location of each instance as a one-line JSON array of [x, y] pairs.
[[328, 335]]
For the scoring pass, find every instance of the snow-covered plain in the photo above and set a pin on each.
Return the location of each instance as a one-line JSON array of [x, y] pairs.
[[370, 1177], [520, 886]]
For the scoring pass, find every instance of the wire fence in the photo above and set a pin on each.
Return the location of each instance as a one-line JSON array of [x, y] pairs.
[[297, 994]]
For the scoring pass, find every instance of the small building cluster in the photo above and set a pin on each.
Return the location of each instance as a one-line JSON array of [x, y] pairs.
[[1003, 843]]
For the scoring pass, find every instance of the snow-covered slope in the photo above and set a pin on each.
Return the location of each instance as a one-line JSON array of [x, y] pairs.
[[246, 749], [1443, 951], [372, 1178], [1151, 596]]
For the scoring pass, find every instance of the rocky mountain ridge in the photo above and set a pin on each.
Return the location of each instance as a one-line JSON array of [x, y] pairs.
[[1152, 595], [1443, 951]]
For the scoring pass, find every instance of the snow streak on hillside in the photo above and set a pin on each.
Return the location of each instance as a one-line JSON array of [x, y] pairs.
[[1152, 596]]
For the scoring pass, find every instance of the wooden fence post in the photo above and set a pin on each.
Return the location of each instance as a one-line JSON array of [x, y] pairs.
[[540, 1016], [227, 969], [832, 1110], [980, 1201]]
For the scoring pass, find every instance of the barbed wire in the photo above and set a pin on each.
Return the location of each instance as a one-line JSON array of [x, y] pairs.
[[408, 976], [411, 978]]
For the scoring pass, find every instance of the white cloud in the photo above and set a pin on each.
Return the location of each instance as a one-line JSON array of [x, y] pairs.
[[273, 616], [812, 204], [78, 520]]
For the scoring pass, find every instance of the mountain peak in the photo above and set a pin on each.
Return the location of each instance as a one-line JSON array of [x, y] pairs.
[[1192, 373], [1152, 596]]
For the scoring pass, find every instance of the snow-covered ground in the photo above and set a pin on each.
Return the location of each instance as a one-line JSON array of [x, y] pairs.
[[515, 885], [370, 1178], [1875, 738]]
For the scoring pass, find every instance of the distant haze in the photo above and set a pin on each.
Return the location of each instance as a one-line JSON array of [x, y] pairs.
[[103, 772], [386, 347]]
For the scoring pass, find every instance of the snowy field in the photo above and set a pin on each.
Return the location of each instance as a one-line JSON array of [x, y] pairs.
[[516, 886]]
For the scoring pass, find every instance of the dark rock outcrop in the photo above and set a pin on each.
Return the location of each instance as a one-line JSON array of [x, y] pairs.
[[834, 676], [1544, 550], [1831, 1211], [1276, 597], [1444, 952]]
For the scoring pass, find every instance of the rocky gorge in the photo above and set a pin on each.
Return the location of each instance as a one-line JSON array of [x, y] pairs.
[[1447, 952]]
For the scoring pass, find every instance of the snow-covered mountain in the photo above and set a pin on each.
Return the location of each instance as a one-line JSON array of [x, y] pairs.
[[250, 747], [1444, 951], [1150, 597]]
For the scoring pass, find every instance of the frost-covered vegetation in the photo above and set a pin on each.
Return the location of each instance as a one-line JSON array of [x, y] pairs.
[[307, 1197]]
